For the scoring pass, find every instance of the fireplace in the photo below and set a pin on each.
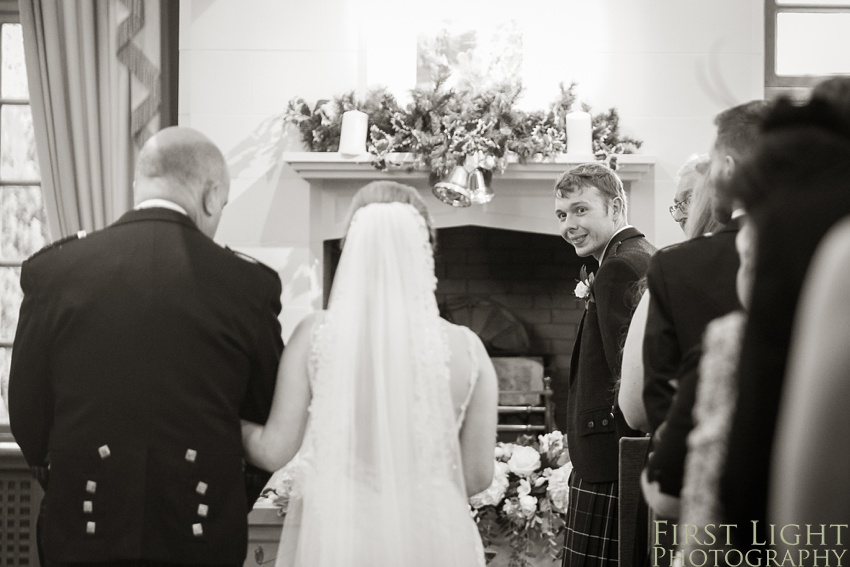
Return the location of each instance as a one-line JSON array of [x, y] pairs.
[[503, 262]]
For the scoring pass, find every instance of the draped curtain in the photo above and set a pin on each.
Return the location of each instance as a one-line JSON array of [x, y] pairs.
[[93, 71]]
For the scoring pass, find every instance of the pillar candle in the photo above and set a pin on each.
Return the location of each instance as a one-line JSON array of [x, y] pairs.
[[579, 133], [352, 139]]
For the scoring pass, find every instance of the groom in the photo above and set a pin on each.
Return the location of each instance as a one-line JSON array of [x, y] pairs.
[[591, 207], [139, 348]]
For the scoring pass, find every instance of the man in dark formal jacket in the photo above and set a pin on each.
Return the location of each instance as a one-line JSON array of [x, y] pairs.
[[690, 284], [592, 215], [693, 282], [139, 348]]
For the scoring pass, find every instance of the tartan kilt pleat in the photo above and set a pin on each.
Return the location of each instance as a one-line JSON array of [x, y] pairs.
[[592, 524]]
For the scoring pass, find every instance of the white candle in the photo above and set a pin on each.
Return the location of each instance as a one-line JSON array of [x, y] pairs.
[[352, 139], [579, 133]]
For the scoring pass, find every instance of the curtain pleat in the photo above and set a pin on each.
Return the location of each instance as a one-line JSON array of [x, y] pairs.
[[82, 95]]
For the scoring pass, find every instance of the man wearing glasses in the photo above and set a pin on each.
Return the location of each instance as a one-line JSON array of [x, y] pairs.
[[689, 285], [679, 210], [693, 282]]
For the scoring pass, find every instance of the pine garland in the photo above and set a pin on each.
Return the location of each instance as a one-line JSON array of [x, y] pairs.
[[443, 127]]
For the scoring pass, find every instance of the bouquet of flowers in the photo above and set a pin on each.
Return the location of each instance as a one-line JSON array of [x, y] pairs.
[[528, 498]]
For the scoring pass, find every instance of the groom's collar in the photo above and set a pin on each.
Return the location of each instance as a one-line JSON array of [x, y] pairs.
[[610, 240], [620, 236]]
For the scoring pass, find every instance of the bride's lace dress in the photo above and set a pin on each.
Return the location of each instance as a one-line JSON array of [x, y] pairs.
[[380, 477]]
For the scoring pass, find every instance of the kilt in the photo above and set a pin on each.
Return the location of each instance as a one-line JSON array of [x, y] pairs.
[[592, 529]]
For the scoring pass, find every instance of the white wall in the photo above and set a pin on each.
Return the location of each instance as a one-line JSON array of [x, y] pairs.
[[668, 66]]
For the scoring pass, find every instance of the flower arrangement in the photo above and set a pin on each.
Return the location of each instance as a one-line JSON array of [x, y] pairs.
[[526, 502], [445, 127], [584, 287]]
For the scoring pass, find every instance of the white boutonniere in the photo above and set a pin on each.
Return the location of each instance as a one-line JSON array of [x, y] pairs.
[[584, 288]]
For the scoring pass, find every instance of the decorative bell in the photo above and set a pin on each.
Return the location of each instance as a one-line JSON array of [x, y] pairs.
[[481, 192], [454, 190]]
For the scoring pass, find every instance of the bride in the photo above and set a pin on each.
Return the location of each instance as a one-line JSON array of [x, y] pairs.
[[391, 408]]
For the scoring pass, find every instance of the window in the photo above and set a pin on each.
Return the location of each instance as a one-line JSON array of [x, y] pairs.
[[23, 222], [805, 42]]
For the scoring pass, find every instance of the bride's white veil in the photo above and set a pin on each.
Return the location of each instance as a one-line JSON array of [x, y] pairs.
[[383, 483]]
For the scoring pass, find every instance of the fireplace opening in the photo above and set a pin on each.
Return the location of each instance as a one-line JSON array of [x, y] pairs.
[[516, 291]]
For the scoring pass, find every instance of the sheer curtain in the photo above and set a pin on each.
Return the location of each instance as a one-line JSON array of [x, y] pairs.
[[93, 71]]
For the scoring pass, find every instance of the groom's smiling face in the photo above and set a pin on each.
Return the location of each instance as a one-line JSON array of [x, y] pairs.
[[587, 220]]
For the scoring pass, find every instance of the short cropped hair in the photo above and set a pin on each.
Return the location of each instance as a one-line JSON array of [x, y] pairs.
[[739, 127], [592, 174]]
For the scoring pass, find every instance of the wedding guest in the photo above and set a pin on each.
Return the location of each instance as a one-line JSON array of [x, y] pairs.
[[591, 208], [690, 284], [810, 469], [693, 282], [700, 220], [138, 349], [797, 186], [713, 405], [393, 408], [692, 172]]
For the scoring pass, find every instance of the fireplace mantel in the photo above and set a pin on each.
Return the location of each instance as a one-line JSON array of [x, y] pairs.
[[523, 198], [331, 165]]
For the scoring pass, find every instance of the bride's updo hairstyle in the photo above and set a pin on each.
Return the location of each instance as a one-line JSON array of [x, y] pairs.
[[390, 192]]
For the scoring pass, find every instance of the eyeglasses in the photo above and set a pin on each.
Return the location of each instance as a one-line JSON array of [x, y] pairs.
[[680, 206]]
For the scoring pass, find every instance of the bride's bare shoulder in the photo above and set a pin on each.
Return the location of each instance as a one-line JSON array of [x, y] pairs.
[[305, 328]]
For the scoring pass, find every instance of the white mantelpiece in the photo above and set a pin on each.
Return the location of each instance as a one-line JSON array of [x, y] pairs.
[[523, 201]]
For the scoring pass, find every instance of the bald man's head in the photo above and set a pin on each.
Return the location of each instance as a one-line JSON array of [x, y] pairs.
[[184, 166]]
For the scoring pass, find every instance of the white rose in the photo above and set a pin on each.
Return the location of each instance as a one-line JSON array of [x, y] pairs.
[[524, 489], [528, 505], [510, 506], [581, 290], [554, 439], [559, 488], [524, 461]]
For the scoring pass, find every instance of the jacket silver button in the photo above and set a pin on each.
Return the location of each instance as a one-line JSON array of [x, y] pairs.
[[201, 488], [91, 486], [104, 451], [590, 424], [90, 527], [87, 506]]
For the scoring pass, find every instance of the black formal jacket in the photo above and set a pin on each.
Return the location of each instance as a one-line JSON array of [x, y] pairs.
[[593, 428], [689, 284], [139, 348]]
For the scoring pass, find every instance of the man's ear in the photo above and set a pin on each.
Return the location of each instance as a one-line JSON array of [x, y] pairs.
[[208, 196], [617, 206], [728, 166]]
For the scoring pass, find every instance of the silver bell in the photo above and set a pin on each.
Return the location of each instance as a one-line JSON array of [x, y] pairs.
[[481, 192], [453, 190]]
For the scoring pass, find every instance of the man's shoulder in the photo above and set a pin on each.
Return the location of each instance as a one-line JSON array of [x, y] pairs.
[[631, 246], [252, 264], [62, 244], [696, 247]]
